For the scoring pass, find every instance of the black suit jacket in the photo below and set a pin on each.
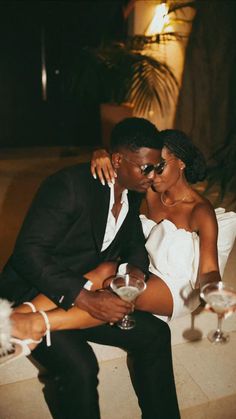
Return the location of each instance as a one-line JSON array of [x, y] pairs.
[[62, 236]]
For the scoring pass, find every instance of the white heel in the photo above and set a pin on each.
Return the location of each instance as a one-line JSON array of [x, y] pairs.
[[31, 305], [48, 327], [11, 348], [20, 349], [46, 321]]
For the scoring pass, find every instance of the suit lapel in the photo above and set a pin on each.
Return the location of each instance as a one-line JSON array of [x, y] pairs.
[[100, 199]]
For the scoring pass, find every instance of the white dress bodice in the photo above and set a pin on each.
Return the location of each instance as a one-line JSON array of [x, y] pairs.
[[174, 254]]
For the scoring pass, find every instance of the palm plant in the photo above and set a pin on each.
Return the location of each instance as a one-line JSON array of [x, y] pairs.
[[118, 72]]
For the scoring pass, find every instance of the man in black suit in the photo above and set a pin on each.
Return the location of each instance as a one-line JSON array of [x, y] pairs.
[[73, 225]]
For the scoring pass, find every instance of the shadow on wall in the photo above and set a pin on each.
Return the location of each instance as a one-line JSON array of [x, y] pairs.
[[206, 106]]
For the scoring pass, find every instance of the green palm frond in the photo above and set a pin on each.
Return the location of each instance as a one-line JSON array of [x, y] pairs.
[[152, 81], [125, 72], [118, 74]]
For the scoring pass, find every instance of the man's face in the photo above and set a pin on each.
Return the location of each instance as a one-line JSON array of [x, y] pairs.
[[130, 164]]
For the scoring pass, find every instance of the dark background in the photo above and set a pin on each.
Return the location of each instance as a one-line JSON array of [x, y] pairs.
[[25, 119]]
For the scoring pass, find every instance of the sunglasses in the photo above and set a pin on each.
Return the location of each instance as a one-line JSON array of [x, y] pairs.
[[146, 169]]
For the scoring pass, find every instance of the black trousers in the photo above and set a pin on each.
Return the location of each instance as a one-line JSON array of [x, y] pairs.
[[73, 365]]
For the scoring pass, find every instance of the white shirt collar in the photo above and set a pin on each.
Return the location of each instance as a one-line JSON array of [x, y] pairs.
[[123, 199]]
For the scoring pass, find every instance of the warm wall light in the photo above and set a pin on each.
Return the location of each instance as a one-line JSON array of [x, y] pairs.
[[44, 84], [159, 20], [43, 67]]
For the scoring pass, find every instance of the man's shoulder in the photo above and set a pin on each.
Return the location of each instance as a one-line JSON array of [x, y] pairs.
[[76, 177], [80, 170], [76, 169]]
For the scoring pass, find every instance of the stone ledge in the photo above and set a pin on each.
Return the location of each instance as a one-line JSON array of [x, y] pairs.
[[23, 369], [205, 381]]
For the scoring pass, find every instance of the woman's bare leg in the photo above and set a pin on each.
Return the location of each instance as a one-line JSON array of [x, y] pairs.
[[32, 325], [96, 276], [156, 299], [27, 324]]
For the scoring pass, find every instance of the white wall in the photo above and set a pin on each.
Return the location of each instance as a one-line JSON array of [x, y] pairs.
[[172, 54]]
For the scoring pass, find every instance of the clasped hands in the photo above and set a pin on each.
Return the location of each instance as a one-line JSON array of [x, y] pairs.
[[103, 304]]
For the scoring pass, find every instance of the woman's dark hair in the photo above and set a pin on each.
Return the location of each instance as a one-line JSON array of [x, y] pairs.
[[183, 148], [134, 133]]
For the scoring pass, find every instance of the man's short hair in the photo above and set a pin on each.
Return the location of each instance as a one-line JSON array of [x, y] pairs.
[[134, 133]]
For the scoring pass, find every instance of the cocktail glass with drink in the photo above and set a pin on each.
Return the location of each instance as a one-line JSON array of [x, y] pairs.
[[222, 300], [128, 287]]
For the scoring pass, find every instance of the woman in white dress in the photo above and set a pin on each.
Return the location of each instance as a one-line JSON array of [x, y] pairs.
[[181, 228], [181, 231]]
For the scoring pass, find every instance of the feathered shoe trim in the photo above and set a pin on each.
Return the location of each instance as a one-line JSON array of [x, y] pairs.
[[11, 348], [6, 345]]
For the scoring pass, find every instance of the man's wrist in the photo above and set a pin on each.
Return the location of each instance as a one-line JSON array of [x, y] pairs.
[[81, 299]]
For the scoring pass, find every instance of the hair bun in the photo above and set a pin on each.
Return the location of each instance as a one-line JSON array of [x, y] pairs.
[[183, 148]]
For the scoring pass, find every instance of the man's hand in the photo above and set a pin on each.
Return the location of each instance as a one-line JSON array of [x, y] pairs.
[[103, 305]]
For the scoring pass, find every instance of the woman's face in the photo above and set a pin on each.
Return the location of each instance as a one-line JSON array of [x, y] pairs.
[[172, 172]]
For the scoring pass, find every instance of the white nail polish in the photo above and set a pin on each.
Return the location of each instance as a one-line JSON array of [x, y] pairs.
[[95, 176], [103, 182]]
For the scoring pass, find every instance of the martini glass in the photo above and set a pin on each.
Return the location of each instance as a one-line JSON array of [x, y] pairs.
[[222, 300], [128, 287]]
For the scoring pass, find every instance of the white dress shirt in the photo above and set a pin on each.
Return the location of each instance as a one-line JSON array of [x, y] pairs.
[[113, 226]]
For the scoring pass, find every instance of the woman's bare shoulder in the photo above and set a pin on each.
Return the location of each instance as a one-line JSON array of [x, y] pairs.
[[202, 204], [202, 212]]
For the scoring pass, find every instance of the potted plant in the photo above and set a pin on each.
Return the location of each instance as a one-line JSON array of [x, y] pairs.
[[121, 72], [125, 74]]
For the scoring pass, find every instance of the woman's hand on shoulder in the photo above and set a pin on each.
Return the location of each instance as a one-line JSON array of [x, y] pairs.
[[101, 166]]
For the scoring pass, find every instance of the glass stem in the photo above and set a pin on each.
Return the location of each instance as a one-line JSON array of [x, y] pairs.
[[219, 324]]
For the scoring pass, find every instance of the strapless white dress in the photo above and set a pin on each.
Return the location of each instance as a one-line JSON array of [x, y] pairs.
[[174, 254]]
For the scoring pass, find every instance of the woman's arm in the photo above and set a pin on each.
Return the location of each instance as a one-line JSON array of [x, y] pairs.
[[208, 232], [155, 299]]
